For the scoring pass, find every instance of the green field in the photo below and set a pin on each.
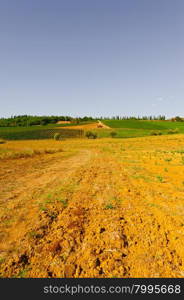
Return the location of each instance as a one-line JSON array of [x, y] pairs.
[[123, 129], [122, 132], [138, 128], [148, 125], [40, 131], [37, 132]]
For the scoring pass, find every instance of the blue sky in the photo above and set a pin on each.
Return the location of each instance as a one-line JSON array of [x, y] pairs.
[[92, 57]]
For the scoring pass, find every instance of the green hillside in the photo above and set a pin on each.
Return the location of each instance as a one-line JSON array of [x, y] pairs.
[[139, 124]]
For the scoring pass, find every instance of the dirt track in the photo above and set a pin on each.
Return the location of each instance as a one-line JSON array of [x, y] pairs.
[[90, 126], [104, 212]]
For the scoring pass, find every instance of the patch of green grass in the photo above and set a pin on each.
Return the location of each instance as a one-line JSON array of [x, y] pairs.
[[23, 273], [152, 204], [168, 159], [2, 260], [63, 201], [9, 221], [49, 196], [116, 199], [4, 150], [109, 206], [42, 208], [160, 178], [59, 195], [48, 201], [179, 151]]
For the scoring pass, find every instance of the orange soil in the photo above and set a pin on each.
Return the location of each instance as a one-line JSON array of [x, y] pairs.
[[63, 122], [88, 126], [100, 208]]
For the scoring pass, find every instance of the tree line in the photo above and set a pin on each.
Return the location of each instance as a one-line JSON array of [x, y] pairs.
[[29, 120], [151, 118]]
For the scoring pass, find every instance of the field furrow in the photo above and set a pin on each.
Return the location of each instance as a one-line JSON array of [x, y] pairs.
[[100, 208]]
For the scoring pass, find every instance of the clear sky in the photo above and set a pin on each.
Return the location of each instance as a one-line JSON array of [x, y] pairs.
[[92, 57]]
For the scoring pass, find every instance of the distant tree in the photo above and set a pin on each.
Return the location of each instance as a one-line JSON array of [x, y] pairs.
[[113, 134], [91, 135], [178, 119], [57, 136]]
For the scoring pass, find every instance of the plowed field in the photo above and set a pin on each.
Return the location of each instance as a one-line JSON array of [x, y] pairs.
[[93, 208]]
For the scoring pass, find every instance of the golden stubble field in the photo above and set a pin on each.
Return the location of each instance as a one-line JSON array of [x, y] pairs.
[[92, 208]]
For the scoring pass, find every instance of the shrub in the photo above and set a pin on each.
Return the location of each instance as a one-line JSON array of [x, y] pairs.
[[91, 135], [57, 136], [113, 134], [178, 119], [155, 133], [173, 131]]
